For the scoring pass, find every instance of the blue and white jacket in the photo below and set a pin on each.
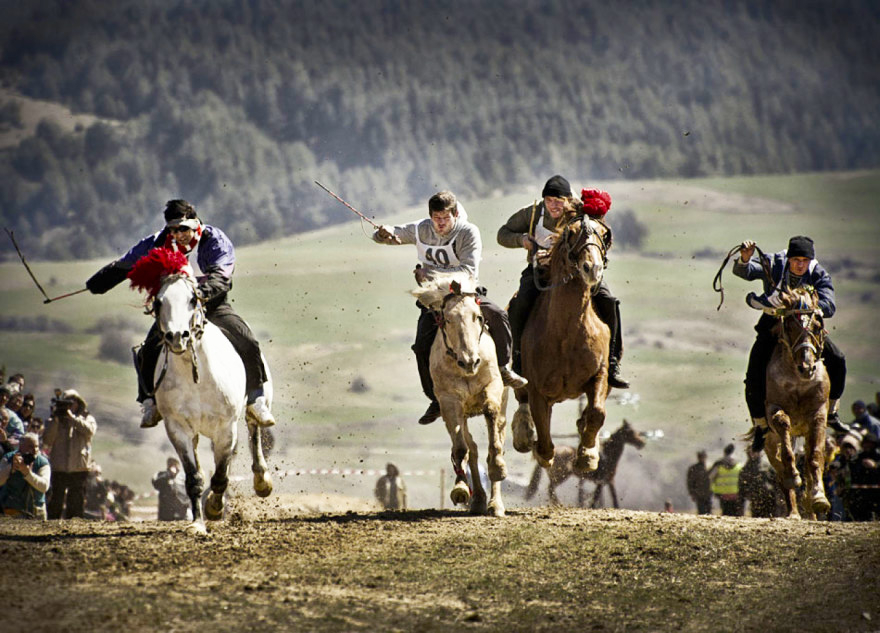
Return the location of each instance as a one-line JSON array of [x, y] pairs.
[[215, 256], [815, 276]]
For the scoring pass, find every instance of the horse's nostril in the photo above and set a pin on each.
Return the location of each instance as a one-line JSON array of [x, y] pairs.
[[186, 335], [168, 336], [477, 363], [461, 364]]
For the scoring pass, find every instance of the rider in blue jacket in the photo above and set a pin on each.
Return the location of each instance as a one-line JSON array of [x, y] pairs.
[[796, 266], [215, 258]]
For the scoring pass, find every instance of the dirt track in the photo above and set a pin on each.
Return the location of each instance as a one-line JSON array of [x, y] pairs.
[[267, 568]]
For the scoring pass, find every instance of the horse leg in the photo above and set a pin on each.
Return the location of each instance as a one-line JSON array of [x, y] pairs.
[[814, 464], [772, 449], [224, 448], [497, 468], [597, 497], [479, 503], [522, 426], [582, 493], [541, 411], [186, 448], [590, 421], [453, 416], [262, 479], [613, 494]]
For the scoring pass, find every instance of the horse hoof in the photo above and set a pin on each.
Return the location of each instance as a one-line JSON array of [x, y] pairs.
[[478, 507], [543, 461], [820, 504], [587, 460], [460, 494], [496, 508], [197, 528], [214, 507], [524, 435], [262, 485]]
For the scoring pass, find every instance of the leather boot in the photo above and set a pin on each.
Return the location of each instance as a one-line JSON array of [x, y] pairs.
[[512, 379], [150, 415], [614, 378], [431, 413]]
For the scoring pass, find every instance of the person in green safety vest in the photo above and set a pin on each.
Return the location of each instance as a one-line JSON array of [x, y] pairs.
[[724, 475]]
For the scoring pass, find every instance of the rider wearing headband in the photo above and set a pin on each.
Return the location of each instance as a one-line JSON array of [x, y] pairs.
[[534, 228], [792, 268], [215, 258], [448, 243]]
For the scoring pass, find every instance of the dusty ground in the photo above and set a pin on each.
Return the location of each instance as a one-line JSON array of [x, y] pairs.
[[271, 567]]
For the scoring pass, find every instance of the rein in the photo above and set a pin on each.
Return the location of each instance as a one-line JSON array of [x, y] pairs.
[[807, 338], [573, 251], [765, 265]]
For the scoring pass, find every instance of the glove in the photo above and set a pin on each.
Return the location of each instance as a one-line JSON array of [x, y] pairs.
[[771, 305]]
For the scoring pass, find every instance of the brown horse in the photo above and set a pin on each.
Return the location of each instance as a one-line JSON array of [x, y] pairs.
[[565, 346], [797, 400], [563, 468]]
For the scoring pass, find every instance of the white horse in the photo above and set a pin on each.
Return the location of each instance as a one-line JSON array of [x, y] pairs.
[[467, 383], [200, 390]]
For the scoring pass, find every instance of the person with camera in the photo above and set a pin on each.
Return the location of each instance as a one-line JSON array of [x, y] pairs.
[[24, 478], [171, 486], [69, 439]]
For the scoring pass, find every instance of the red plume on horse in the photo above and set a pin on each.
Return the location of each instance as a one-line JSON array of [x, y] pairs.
[[152, 268]]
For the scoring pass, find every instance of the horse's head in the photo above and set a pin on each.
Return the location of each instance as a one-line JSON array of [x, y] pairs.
[[630, 436], [580, 251], [179, 313], [454, 299], [801, 329], [167, 278]]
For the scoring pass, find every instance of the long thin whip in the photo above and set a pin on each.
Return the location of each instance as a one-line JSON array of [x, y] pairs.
[[34, 277], [351, 208]]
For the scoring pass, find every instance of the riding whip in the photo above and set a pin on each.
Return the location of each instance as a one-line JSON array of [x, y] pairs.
[[31, 273], [351, 208], [765, 265]]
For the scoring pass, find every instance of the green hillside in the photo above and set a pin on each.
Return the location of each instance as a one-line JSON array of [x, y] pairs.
[[331, 307], [236, 105]]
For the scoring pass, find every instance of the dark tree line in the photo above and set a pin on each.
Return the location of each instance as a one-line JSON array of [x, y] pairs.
[[239, 105]]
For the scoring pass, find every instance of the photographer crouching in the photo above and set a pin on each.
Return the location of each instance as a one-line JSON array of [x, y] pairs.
[[68, 437], [24, 479]]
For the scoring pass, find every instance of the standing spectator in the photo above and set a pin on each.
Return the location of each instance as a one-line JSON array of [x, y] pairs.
[[26, 410], [16, 383], [16, 399], [14, 427], [724, 475], [5, 444], [69, 439], [863, 422], [865, 480], [171, 484], [757, 485], [24, 479], [699, 486], [390, 489]]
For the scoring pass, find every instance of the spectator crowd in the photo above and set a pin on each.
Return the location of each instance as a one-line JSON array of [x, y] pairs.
[[851, 478], [46, 465]]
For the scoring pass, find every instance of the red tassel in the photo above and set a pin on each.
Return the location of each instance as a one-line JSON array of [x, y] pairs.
[[150, 269]]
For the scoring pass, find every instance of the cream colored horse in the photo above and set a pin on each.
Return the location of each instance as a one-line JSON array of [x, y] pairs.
[[467, 383]]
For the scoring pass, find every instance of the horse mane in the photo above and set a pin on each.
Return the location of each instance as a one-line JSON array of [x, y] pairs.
[[432, 293], [151, 269], [800, 298]]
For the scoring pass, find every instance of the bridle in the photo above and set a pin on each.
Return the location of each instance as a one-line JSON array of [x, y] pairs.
[[574, 249], [440, 318], [806, 338], [196, 329]]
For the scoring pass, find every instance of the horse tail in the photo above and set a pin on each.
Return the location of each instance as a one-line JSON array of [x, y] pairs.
[[533, 483], [756, 437]]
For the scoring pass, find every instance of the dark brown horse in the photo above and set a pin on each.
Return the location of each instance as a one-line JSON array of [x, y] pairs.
[[797, 401], [565, 346], [563, 468]]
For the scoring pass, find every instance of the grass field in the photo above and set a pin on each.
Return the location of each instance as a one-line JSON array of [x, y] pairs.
[[331, 307]]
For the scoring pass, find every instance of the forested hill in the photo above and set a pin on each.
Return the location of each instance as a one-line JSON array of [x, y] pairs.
[[239, 105]]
